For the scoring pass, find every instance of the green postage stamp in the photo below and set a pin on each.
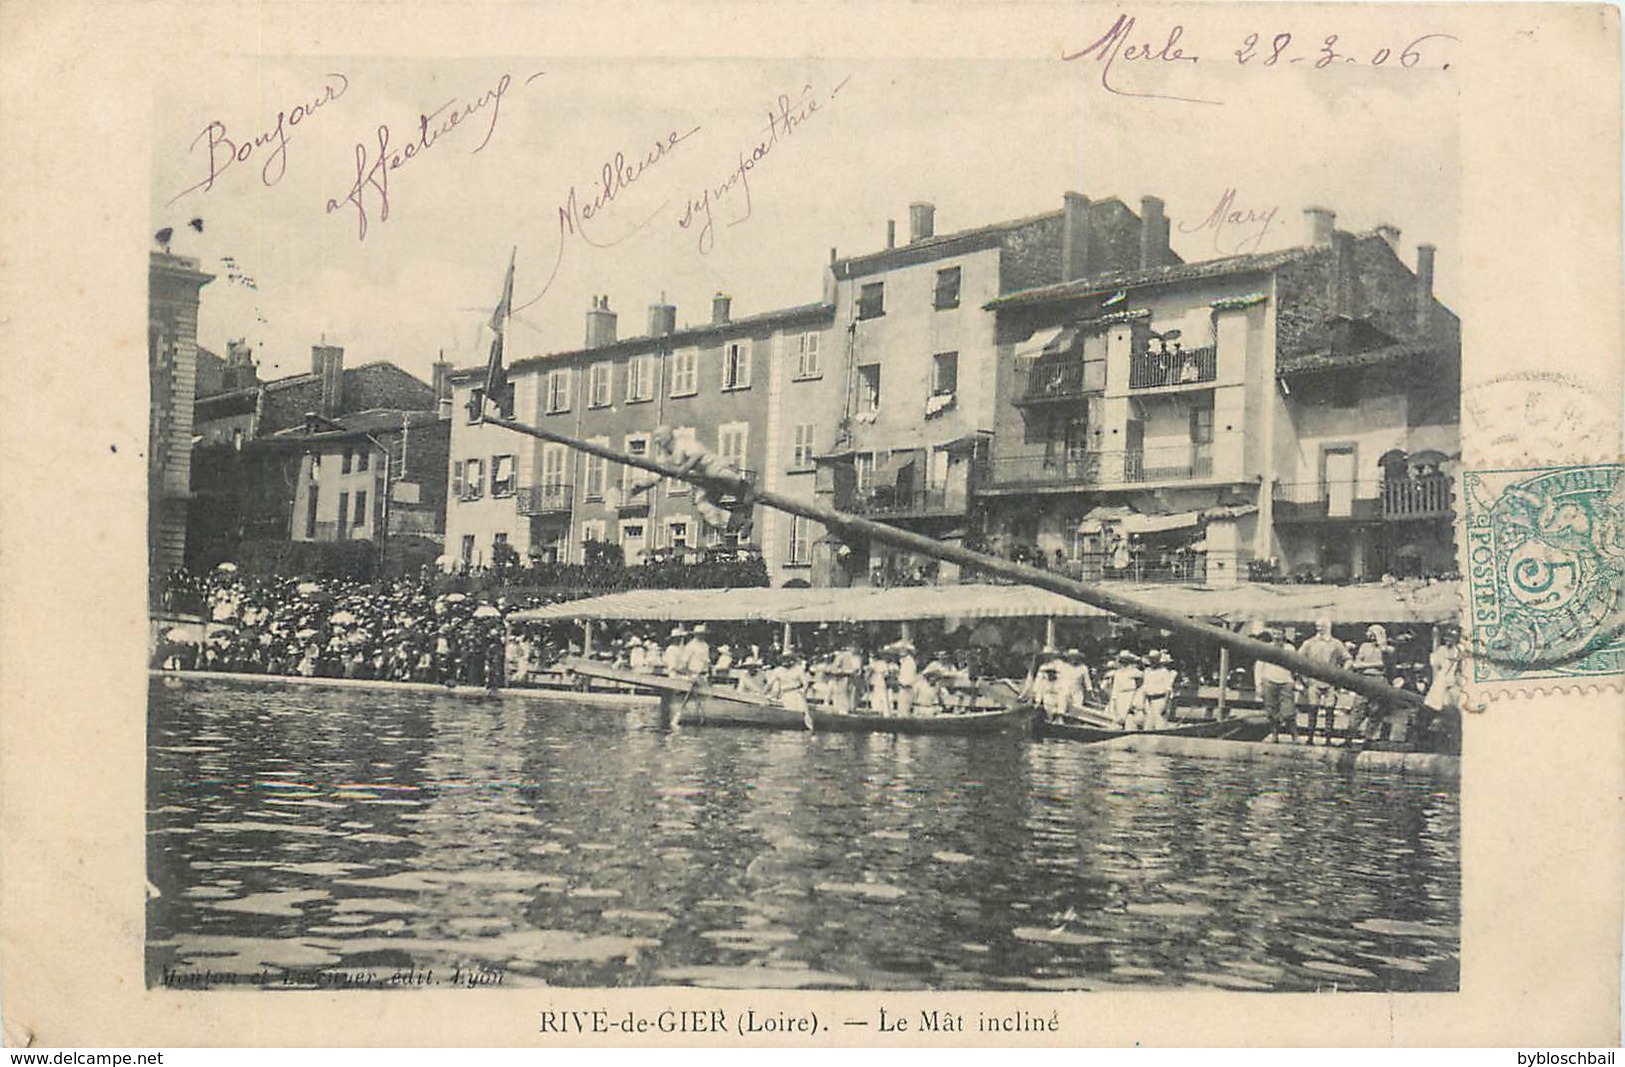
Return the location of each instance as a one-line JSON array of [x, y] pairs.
[[1545, 554]]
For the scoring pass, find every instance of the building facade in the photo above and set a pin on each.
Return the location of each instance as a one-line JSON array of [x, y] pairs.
[[333, 455], [1287, 414], [919, 361], [748, 389], [174, 284]]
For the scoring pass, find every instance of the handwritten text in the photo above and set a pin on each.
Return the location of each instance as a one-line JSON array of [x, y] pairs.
[[1235, 229], [225, 151], [785, 117], [1123, 48], [615, 177], [372, 171]]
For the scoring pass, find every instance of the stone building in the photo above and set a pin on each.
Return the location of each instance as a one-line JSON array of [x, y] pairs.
[[1292, 413], [173, 287], [918, 358], [749, 389], [270, 457]]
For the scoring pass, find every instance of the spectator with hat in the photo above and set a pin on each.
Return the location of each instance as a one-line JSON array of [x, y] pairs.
[[671, 661], [1275, 686], [1123, 689], [905, 678], [1160, 679]]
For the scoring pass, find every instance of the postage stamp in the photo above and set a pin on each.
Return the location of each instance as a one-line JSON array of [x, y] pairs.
[[1545, 552]]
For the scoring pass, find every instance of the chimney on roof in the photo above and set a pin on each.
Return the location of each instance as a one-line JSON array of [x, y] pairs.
[[600, 323], [1424, 288], [1319, 222], [720, 305], [240, 371], [1344, 276], [327, 364], [662, 318], [440, 380], [1153, 232], [922, 220], [891, 234], [1074, 236], [829, 278], [1389, 233]]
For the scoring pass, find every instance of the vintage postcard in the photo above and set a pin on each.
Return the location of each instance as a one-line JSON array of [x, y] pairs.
[[758, 525]]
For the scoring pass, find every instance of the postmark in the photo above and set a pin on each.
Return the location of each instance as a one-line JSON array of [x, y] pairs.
[[1545, 566]]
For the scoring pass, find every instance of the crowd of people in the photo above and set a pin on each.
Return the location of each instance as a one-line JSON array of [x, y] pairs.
[[1135, 691], [835, 672], [405, 631], [333, 628]]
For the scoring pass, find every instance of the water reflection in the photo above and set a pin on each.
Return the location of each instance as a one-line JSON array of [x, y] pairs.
[[301, 836]]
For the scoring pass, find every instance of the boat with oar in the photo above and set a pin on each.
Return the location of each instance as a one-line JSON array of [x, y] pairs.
[[1089, 728], [686, 703]]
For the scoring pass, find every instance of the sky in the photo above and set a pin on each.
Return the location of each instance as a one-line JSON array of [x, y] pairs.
[[264, 153]]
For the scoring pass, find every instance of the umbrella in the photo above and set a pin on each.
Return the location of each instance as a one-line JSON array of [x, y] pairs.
[[303, 634], [226, 568], [987, 635], [185, 634], [486, 611], [345, 616], [454, 598], [307, 588]]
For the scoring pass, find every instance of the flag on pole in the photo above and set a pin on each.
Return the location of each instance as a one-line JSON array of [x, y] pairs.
[[1116, 298], [497, 390]]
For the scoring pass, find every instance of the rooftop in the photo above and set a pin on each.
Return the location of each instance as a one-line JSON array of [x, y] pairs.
[[1105, 284], [683, 336]]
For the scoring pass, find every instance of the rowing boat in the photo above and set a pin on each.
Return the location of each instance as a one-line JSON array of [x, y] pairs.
[[685, 703], [1076, 728]]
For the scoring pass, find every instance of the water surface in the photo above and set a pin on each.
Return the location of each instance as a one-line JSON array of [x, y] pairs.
[[305, 836]]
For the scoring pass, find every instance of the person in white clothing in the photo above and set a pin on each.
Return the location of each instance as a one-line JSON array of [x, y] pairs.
[[1160, 679], [1275, 686], [671, 660], [1123, 703], [908, 673]]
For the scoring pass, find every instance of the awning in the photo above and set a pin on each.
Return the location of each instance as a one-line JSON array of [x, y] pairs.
[[967, 441], [894, 465], [848, 605], [1058, 343], [1145, 524], [1229, 511], [1096, 518]]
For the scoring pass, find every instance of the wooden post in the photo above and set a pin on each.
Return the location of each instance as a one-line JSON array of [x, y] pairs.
[[1224, 679], [785, 639], [1049, 632], [586, 637]]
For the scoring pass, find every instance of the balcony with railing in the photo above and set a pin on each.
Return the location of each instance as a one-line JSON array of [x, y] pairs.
[[1426, 496], [1057, 381], [1171, 368], [1178, 463], [1142, 566], [552, 498], [890, 501]]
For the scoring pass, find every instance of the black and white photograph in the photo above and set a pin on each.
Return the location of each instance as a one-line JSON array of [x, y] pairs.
[[891, 525], [445, 691]]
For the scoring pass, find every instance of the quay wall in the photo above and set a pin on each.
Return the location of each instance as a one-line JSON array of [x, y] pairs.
[[1430, 763]]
